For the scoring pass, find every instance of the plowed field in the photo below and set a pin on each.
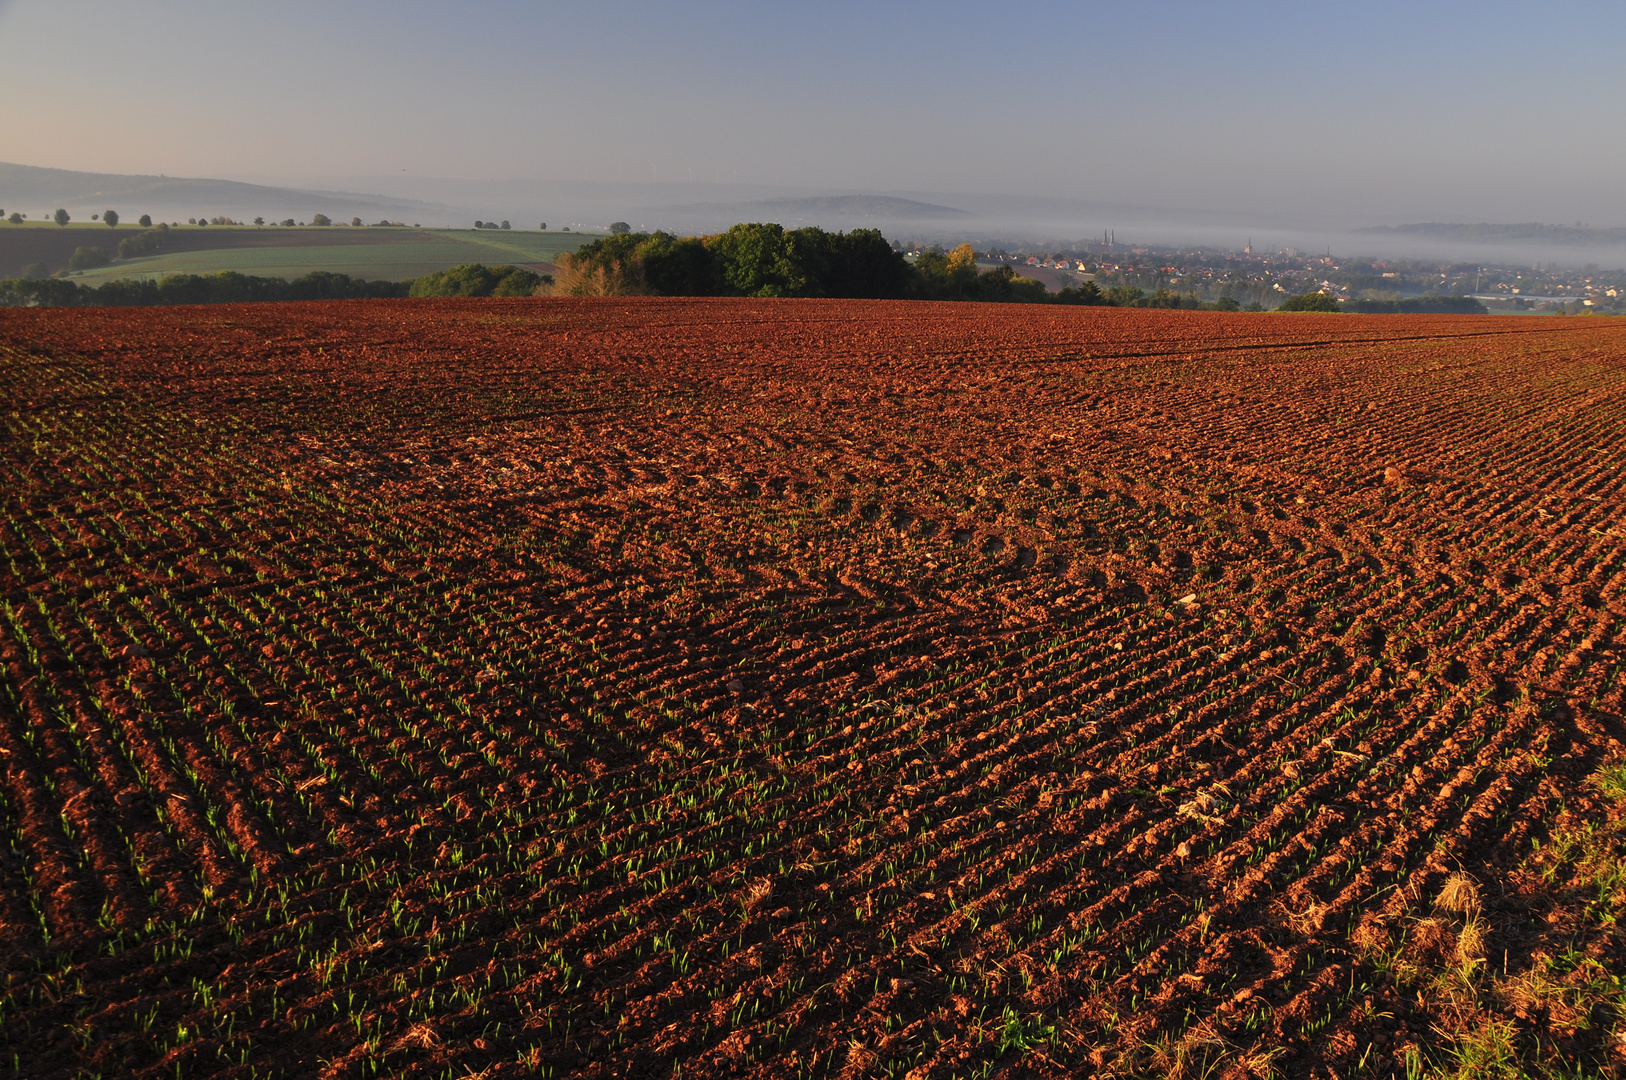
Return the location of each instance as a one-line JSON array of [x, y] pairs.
[[715, 688]]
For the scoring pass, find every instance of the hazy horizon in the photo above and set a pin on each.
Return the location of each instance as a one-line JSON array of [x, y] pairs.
[[1265, 112], [1023, 223]]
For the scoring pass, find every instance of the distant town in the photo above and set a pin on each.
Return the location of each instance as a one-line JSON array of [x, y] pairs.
[[1267, 278]]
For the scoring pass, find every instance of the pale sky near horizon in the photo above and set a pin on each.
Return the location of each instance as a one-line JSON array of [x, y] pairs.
[[1497, 110]]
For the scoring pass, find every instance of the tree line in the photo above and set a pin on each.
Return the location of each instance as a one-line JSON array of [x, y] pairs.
[[110, 218], [749, 260], [1419, 305], [226, 287], [230, 287], [767, 260], [948, 282]]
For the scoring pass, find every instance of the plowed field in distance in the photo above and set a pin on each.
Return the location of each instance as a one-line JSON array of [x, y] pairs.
[[708, 688]]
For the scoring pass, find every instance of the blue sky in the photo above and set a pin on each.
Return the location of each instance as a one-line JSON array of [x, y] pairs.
[[1394, 111]]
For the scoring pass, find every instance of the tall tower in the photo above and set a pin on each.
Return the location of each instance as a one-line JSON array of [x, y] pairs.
[[1249, 249]]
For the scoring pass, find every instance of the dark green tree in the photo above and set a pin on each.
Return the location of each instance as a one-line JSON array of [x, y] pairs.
[[321, 219], [61, 217], [518, 281], [473, 279], [677, 267], [748, 260], [111, 217], [145, 221], [1086, 294], [861, 264], [88, 258], [1003, 284], [142, 243], [322, 285], [1313, 301], [617, 228], [754, 260]]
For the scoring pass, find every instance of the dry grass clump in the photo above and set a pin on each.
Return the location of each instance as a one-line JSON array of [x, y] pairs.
[[420, 1036], [1459, 896], [1199, 1052], [1470, 945], [761, 892]]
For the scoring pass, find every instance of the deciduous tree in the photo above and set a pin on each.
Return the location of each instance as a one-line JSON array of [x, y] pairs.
[[1315, 301], [472, 279], [88, 258]]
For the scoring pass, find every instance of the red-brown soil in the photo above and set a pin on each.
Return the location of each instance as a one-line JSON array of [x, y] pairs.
[[722, 688]]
